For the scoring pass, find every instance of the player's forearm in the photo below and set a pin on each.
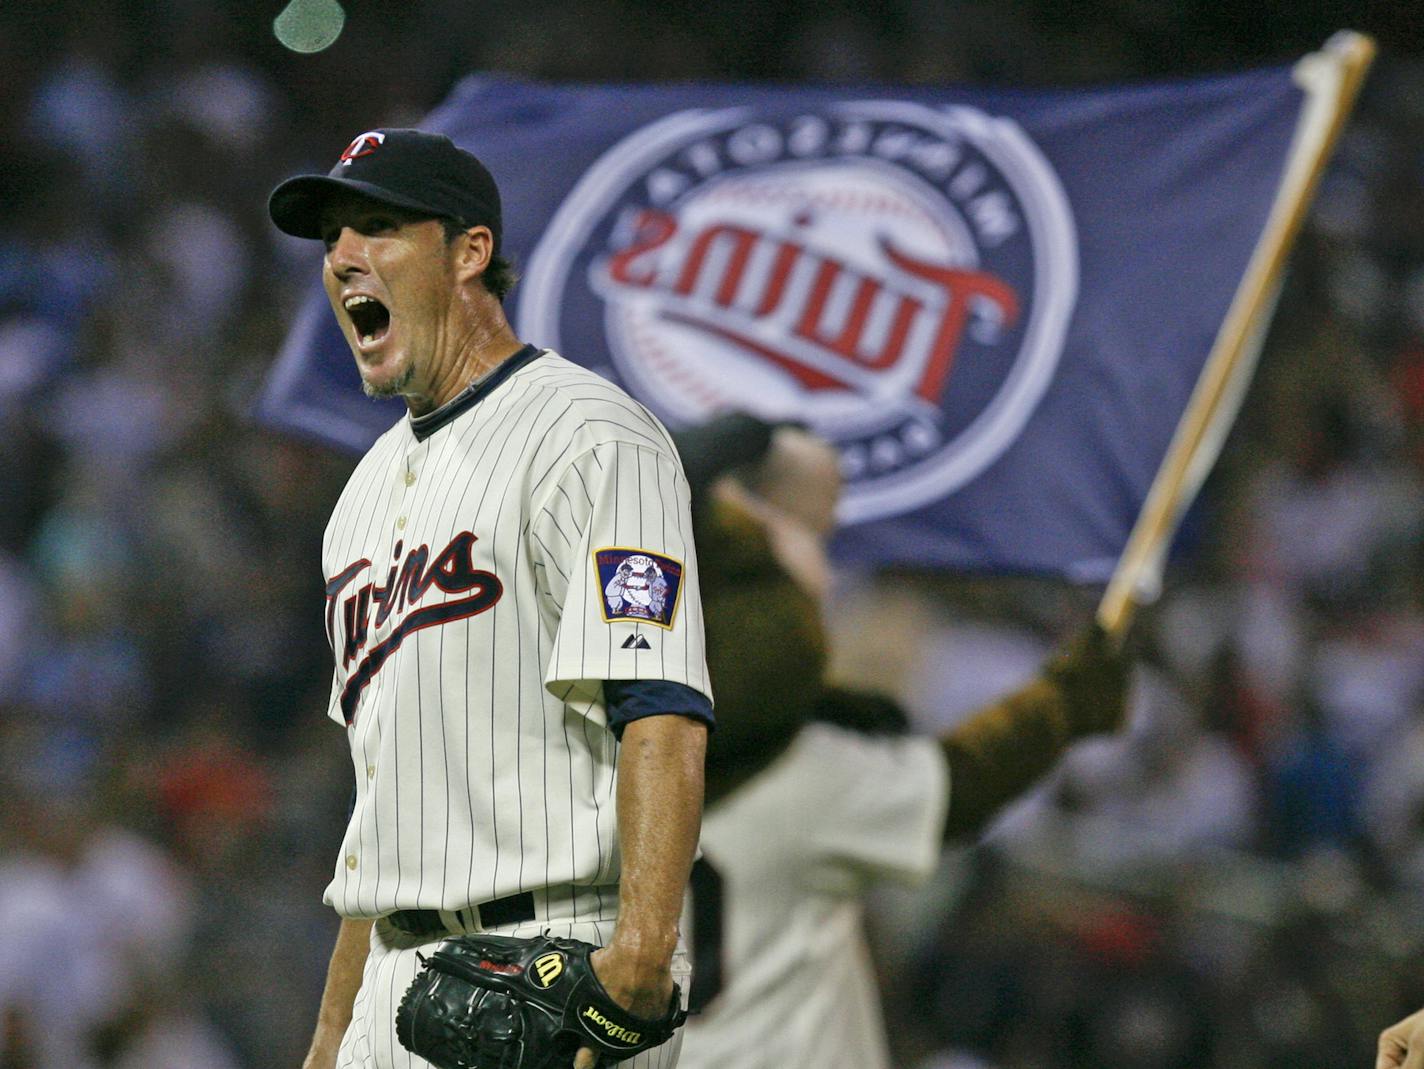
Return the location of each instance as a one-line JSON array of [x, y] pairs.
[[343, 980], [660, 783]]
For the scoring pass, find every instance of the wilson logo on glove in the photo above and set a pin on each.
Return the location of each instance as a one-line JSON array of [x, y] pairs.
[[613, 1033], [548, 968]]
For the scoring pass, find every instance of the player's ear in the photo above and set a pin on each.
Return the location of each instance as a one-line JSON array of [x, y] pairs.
[[472, 251]]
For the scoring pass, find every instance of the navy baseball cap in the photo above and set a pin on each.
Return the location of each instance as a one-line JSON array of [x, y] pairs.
[[411, 169]]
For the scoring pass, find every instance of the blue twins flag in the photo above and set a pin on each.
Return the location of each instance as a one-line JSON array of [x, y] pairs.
[[994, 303]]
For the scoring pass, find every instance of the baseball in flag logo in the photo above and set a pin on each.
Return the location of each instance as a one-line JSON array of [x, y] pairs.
[[638, 586], [898, 276]]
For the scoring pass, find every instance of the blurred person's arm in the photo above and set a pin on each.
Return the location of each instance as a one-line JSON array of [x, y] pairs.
[[1007, 746], [343, 979], [1401, 1045], [1002, 750]]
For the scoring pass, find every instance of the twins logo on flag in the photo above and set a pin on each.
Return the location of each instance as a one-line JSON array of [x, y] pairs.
[[898, 275]]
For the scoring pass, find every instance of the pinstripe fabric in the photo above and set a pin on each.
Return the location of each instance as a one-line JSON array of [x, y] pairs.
[[463, 610]]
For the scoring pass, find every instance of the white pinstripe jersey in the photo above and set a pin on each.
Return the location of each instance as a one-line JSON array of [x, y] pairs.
[[484, 577]]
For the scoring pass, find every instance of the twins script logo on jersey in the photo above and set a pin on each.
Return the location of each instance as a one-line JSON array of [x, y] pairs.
[[408, 580], [638, 585], [898, 276]]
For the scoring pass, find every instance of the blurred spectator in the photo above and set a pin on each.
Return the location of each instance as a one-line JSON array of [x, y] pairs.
[[92, 974]]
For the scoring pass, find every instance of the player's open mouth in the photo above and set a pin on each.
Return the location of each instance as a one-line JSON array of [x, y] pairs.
[[369, 316]]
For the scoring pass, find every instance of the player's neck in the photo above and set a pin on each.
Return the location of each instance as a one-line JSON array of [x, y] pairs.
[[474, 351]]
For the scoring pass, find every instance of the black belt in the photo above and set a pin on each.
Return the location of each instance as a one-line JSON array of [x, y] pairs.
[[514, 909]]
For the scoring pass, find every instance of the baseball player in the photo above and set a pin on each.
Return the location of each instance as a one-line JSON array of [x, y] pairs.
[[814, 792], [512, 604]]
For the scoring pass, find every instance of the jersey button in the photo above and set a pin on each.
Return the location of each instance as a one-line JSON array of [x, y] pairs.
[[370, 771], [400, 523], [350, 861], [410, 478]]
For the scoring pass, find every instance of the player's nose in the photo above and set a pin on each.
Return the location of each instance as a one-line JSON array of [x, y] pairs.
[[346, 252]]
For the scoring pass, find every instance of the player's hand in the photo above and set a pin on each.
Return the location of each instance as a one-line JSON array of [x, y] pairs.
[[639, 987], [1401, 1045]]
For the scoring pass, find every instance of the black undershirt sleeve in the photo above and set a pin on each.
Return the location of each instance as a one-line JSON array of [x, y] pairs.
[[632, 699]]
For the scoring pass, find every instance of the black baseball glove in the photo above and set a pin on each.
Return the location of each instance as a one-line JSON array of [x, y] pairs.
[[501, 1002]]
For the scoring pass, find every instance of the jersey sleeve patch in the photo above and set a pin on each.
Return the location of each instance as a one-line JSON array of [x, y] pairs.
[[637, 585]]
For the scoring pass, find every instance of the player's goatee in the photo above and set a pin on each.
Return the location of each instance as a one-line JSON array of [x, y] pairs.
[[394, 388]]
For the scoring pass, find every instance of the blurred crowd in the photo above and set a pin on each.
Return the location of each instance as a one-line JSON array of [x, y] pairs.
[[1237, 881]]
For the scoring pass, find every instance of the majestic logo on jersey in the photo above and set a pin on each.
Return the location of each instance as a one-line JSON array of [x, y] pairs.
[[899, 276], [452, 571], [364, 145], [548, 968], [638, 585]]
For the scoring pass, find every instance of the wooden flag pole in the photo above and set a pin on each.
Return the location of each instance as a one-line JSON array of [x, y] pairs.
[[1331, 80]]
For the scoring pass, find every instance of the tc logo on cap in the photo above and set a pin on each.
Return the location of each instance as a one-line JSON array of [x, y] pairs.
[[364, 145]]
